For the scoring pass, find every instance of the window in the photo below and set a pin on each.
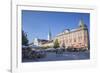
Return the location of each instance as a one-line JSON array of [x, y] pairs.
[[74, 40]]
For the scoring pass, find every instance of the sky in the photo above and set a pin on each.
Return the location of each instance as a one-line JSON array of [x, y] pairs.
[[37, 24]]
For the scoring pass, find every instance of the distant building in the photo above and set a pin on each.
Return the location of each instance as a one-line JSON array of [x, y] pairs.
[[76, 38], [48, 44], [39, 42], [42, 42]]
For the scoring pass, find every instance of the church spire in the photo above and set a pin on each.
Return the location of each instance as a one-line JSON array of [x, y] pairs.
[[49, 35]]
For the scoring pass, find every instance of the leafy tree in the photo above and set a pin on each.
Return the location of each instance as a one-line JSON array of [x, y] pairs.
[[56, 44], [24, 38]]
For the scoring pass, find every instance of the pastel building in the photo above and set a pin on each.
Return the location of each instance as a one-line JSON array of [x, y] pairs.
[[75, 38]]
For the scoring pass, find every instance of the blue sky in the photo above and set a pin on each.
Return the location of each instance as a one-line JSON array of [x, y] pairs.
[[37, 23]]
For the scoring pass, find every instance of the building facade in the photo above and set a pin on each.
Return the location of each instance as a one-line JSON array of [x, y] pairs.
[[75, 38], [39, 42]]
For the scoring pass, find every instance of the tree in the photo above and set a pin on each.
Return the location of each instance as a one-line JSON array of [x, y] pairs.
[[24, 38], [56, 44]]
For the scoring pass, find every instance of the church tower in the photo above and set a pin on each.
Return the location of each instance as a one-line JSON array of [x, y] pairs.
[[49, 35]]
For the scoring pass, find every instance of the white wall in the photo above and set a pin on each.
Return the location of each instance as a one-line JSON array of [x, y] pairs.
[[5, 33]]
